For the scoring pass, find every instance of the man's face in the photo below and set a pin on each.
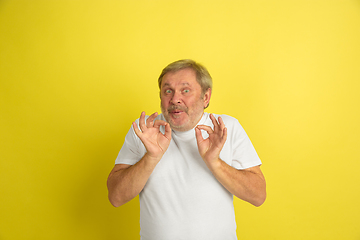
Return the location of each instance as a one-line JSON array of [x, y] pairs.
[[182, 103]]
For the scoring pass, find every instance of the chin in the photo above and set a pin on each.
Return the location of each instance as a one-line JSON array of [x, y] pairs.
[[179, 126]]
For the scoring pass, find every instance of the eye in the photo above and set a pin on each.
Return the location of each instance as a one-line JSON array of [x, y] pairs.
[[168, 91], [186, 90]]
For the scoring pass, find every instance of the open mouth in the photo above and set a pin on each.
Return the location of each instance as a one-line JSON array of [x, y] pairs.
[[176, 111]]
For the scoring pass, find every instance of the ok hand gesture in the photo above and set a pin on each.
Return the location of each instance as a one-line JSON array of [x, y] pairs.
[[154, 141], [210, 148]]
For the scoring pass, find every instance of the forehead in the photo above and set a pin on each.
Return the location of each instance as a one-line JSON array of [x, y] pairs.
[[182, 77]]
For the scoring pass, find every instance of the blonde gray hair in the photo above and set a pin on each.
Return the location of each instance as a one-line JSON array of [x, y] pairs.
[[202, 75]]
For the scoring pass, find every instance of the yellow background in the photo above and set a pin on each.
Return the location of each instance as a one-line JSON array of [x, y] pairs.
[[75, 74]]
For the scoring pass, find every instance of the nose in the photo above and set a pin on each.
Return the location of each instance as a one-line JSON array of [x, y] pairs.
[[176, 98]]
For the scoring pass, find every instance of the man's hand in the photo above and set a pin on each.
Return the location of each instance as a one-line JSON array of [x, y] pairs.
[[154, 141], [247, 184], [210, 148], [126, 181]]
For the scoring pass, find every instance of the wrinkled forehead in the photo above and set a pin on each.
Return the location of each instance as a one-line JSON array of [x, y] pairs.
[[183, 77]]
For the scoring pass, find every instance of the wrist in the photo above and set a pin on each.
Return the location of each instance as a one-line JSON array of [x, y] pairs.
[[152, 159], [214, 164]]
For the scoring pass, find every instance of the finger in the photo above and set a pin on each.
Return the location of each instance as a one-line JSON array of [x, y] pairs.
[[205, 128], [136, 129], [167, 131], [142, 121], [221, 123], [224, 136], [150, 120], [198, 135], [215, 123], [159, 123]]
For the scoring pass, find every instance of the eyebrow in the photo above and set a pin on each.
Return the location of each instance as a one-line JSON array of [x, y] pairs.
[[185, 83]]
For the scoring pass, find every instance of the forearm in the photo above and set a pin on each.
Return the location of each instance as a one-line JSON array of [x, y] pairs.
[[248, 185], [126, 183]]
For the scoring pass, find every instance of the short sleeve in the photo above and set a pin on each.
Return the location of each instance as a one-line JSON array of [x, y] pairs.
[[243, 152], [132, 150]]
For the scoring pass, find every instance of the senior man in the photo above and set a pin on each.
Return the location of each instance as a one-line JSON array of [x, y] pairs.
[[186, 164]]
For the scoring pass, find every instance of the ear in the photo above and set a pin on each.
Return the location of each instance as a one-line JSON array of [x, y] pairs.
[[207, 97]]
